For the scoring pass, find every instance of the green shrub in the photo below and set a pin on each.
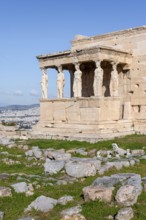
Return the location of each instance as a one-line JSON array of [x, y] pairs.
[[9, 123]]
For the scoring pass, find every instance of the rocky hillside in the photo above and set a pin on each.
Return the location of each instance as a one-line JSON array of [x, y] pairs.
[[48, 179]]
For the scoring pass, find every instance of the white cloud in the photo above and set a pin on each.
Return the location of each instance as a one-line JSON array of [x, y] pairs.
[[33, 92], [18, 93]]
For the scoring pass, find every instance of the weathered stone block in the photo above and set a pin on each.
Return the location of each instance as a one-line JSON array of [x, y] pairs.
[[98, 193]]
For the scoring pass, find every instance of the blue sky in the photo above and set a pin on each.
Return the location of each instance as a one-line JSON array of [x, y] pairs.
[[32, 27]]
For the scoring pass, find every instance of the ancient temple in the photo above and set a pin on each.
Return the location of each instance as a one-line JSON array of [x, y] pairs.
[[107, 87]]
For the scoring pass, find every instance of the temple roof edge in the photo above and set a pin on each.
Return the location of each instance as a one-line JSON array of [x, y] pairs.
[[56, 54]]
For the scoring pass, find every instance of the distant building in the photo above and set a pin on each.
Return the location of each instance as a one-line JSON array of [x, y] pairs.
[[107, 83]]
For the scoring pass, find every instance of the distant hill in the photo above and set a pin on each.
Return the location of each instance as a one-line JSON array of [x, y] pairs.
[[19, 107]]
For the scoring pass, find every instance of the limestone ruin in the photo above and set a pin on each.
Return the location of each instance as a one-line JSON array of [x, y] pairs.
[[107, 83]]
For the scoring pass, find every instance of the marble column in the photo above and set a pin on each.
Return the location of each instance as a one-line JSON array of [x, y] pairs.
[[77, 83], [60, 82], [44, 83], [98, 79], [114, 83]]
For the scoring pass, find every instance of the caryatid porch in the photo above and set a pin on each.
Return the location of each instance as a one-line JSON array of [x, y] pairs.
[[99, 79], [93, 71]]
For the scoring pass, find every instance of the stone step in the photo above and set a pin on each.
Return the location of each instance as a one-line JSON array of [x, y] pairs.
[[83, 132], [111, 127], [92, 138]]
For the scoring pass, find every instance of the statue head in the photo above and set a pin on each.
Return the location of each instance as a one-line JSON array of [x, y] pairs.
[[98, 62], [114, 65], [59, 68], [44, 71], [77, 66]]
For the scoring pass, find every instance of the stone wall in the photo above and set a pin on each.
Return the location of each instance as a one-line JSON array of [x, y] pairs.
[[132, 41], [88, 110]]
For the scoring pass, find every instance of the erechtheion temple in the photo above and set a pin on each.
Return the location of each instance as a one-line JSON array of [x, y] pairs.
[[107, 87]]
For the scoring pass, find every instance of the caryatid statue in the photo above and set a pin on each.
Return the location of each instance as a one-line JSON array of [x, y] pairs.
[[98, 80], [60, 82], [77, 84], [44, 84], [114, 83]]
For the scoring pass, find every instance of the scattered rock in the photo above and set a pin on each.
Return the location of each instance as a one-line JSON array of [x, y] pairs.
[[61, 182], [58, 155], [98, 193], [1, 215], [42, 203], [5, 141], [110, 217], [125, 214], [53, 166], [73, 217], [114, 164], [107, 181], [80, 169], [71, 211], [103, 169], [101, 153], [10, 161], [135, 181], [30, 187], [126, 195], [37, 154], [29, 193], [64, 200], [5, 191], [121, 178], [129, 184], [137, 152], [118, 150], [24, 147], [71, 151], [132, 162], [35, 151], [4, 176], [20, 187], [92, 152], [143, 157], [81, 151]]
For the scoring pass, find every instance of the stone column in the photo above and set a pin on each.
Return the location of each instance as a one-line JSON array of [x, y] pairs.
[[114, 83], [77, 84], [44, 83], [60, 82], [98, 79]]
